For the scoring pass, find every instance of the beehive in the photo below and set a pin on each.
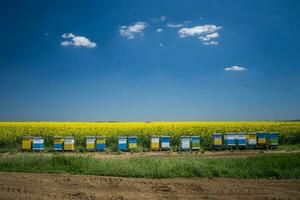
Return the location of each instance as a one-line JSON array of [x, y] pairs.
[[122, 143], [261, 138], [90, 142], [195, 142], [185, 143], [217, 140], [273, 139], [154, 143], [100, 143], [132, 142], [241, 139], [165, 142], [37, 144], [58, 143], [229, 139], [251, 139], [69, 143], [26, 143]]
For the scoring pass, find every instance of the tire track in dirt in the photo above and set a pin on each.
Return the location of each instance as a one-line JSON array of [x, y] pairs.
[[15, 186]]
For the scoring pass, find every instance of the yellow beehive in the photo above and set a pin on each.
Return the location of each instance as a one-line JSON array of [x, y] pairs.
[[26, 143], [69, 144], [90, 143], [154, 143]]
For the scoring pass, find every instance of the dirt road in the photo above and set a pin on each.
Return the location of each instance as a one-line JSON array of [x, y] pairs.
[[17, 186]]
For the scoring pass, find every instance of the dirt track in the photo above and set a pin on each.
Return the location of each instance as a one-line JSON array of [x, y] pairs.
[[65, 186]]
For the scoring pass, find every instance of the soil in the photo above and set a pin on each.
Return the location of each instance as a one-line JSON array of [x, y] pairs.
[[17, 186]]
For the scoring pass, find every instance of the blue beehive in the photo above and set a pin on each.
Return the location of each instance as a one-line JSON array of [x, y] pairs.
[[229, 139], [122, 143], [37, 143], [58, 143], [217, 140], [261, 139], [132, 142], [165, 142], [100, 143], [195, 142], [241, 139], [273, 139]]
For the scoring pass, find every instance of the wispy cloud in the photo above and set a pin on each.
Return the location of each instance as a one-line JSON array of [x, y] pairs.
[[136, 29], [209, 37], [198, 30], [77, 41], [206, 33], [159, 30], [235, 68], [160, 19], [175, 25], [161, 44], [210, 43]]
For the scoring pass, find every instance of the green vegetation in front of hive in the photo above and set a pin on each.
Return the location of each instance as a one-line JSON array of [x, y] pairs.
[[281, 166]]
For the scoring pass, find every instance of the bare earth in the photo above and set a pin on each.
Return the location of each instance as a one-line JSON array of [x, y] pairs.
[[65, 186]]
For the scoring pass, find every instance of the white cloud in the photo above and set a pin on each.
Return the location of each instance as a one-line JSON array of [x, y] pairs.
[[161, 44], [68, 35], [210, 36], [206, 33], [78, 41], [159, 30], [174, 25], [236, 68], [130, 32], [198, 30], [66, 43]]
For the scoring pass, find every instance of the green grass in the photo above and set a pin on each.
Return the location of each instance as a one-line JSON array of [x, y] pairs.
[[263, 166], [292, 147]]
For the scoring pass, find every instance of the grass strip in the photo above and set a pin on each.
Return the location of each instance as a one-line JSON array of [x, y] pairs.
[[263, 166]]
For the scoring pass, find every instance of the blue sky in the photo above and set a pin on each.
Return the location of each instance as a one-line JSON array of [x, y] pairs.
[[149, 60]]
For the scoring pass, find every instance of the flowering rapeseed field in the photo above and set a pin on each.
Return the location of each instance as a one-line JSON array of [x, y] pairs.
[[289, 132]]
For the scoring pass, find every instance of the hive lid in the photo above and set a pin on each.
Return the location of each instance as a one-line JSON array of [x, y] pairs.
[[69, 137], [217, 133], [37, 137], [122, 137], [90, 137], [57, 136], [100, 136], [132, 136]]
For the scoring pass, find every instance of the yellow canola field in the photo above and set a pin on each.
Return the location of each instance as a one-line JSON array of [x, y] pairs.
[[9, 131]]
